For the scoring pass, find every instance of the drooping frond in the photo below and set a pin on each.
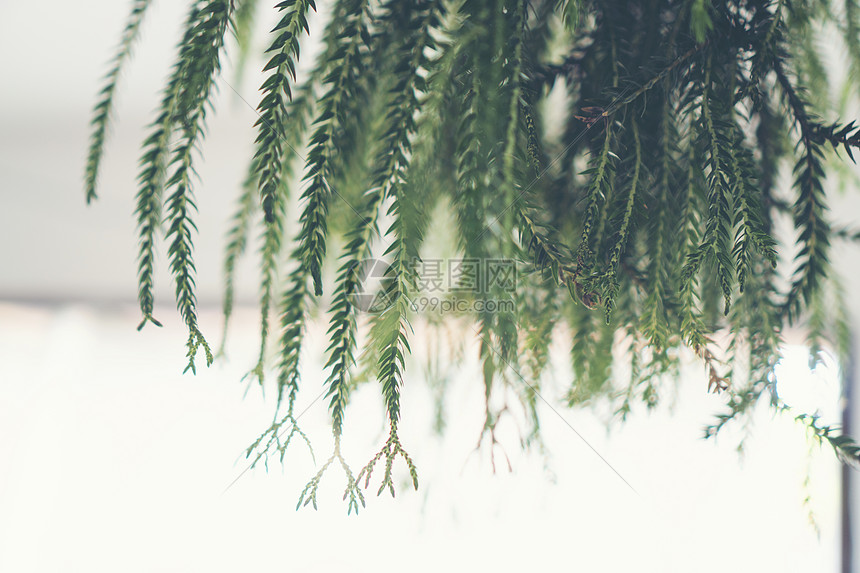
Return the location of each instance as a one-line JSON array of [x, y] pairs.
[[201, 62], [153, 166], [102, 111], [243, 28], [318, 193], [274, 106], [391, 328], [276, 148], [716, 241], [390, 334], [810, 205]]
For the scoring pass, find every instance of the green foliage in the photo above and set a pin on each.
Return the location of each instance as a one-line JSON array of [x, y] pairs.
[[275, 148], [638, 215], [199, 62], [182, 114], [102, 110]]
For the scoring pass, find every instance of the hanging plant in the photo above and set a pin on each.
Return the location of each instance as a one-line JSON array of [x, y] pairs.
[[610, 170]]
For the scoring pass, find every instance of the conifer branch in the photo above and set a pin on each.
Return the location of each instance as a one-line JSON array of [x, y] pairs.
[[692, 327], [103, 109], [272, 160], [509, 36], [469, 197], [317, 194], [809, 207], [292, 324], [353, 491], [751, 233], [389, 453], [342, 329], [845, 447], [715, 240], [274, 106], [243, 29], [601, 172], [609, 279], [201, 63], [389, 168], [391, 327], [654, 321], [293, 315], [153, 165]]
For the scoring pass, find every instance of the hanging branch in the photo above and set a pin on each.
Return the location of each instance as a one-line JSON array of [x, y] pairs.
[[203, 64], [609, 278], [344, 68], [103, 109], [654, 322], [152, 171], [391, 327], [274, 153], [243, 28], [601, 172], [716, 239], [809, 207]]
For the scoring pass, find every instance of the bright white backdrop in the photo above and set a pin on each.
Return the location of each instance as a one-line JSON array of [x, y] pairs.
[[114, 461]]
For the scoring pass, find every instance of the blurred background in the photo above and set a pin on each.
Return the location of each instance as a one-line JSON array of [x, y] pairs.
[[111, 459]]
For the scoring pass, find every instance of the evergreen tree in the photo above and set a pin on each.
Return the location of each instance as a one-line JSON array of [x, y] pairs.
[[621, 155]]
